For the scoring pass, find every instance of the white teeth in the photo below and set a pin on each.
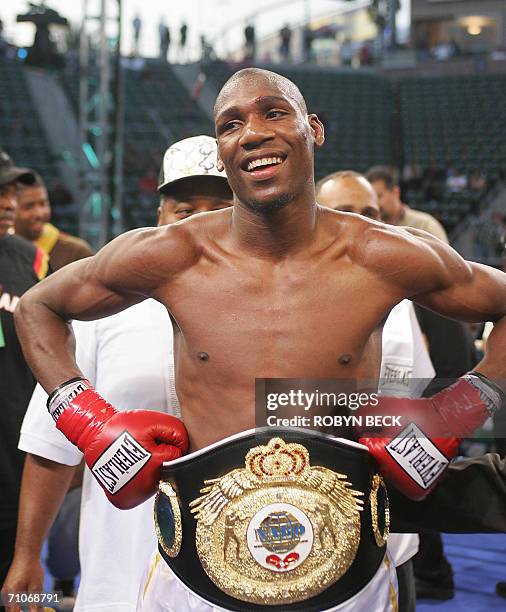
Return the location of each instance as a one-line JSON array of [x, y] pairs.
[[264, 161]]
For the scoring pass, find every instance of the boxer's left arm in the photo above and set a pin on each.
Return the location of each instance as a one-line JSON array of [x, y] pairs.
[[429, 272], [432, 274], [475, 293]]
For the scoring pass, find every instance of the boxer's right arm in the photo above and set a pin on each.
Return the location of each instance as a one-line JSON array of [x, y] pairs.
[[126, 271], [124, 451]]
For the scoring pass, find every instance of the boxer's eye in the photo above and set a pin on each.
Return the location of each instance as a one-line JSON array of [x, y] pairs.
[[275, 114], [229, 126]]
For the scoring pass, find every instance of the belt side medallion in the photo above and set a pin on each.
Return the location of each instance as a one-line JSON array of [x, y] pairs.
[[168, 525], [380, 517]]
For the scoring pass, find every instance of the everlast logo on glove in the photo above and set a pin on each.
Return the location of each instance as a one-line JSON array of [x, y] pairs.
[[120, 463], [417, 456]]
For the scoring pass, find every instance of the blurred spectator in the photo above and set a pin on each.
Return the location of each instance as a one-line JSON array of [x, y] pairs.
[[164, 34], [385, 183], [3, 42], [499, 222], [366, 53], [249, 42], [434, 183], [60, 196], [450, 350], [137, 26], [490, 236], [148, 185], [452, 354], [308, 44], [183, 33], [477, 180], [32, 223], [456, 180], [285, 36], [206, 50], [21, 266], [347, 52], [411, 177], [198, 85], [442, 51]]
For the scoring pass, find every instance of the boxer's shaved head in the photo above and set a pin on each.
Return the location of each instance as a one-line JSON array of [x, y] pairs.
[[257, 76], [262, 114]]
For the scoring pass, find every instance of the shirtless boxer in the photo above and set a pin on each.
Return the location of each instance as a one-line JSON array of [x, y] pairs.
[[264, 270]]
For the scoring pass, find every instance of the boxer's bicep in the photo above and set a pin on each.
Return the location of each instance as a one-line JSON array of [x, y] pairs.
[[471, 292], [418, 266], [124, 272], [85, 289], [410, 262]]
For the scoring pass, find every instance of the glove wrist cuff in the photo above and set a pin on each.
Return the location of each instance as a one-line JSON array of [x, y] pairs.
[[491, 394], [61, 397]]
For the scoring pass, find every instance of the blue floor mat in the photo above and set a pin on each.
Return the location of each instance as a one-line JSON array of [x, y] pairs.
[[479, 561]]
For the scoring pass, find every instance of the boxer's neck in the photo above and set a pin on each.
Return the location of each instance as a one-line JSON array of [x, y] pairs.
[[275, 233]]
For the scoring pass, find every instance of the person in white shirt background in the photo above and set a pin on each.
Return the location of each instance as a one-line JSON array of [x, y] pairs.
[[129, 358], [406, 368]]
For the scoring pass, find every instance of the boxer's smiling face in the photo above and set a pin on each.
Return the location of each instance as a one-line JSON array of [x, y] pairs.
[[265, 141]]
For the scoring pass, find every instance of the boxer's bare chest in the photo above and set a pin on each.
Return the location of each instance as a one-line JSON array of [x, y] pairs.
[[302, 317]]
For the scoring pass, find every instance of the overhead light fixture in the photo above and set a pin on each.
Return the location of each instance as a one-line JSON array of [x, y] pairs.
[[474, 29]]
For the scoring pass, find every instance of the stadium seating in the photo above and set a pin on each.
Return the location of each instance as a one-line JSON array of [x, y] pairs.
[[369, 120], [454, 119], [21, 134]]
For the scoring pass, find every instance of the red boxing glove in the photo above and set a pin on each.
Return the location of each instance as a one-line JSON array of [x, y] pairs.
[[124, 450], [416, 441]]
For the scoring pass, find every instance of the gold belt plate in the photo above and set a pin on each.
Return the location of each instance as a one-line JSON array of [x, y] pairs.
[[279, 530]]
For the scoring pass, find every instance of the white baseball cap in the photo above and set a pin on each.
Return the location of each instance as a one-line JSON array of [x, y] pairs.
[[196, 156]]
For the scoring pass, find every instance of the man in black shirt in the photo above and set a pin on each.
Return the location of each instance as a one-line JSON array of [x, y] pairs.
[[451, 352], [21, 266]]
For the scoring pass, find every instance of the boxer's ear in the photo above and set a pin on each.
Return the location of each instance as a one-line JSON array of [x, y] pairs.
[[219, 164]]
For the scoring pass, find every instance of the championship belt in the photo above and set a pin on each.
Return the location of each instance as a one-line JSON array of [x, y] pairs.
[[287, 519]]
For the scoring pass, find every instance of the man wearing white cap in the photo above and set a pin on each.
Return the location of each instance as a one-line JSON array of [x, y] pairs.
[[129, 356]]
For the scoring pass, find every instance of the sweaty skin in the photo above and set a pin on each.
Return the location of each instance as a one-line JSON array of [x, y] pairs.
[[275, 287]]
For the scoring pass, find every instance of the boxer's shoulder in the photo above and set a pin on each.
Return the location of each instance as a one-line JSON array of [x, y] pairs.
[[141, 259], [411, 259], [202, 232]]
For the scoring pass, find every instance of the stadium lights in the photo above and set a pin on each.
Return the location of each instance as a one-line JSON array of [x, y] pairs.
[[474, 30]]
